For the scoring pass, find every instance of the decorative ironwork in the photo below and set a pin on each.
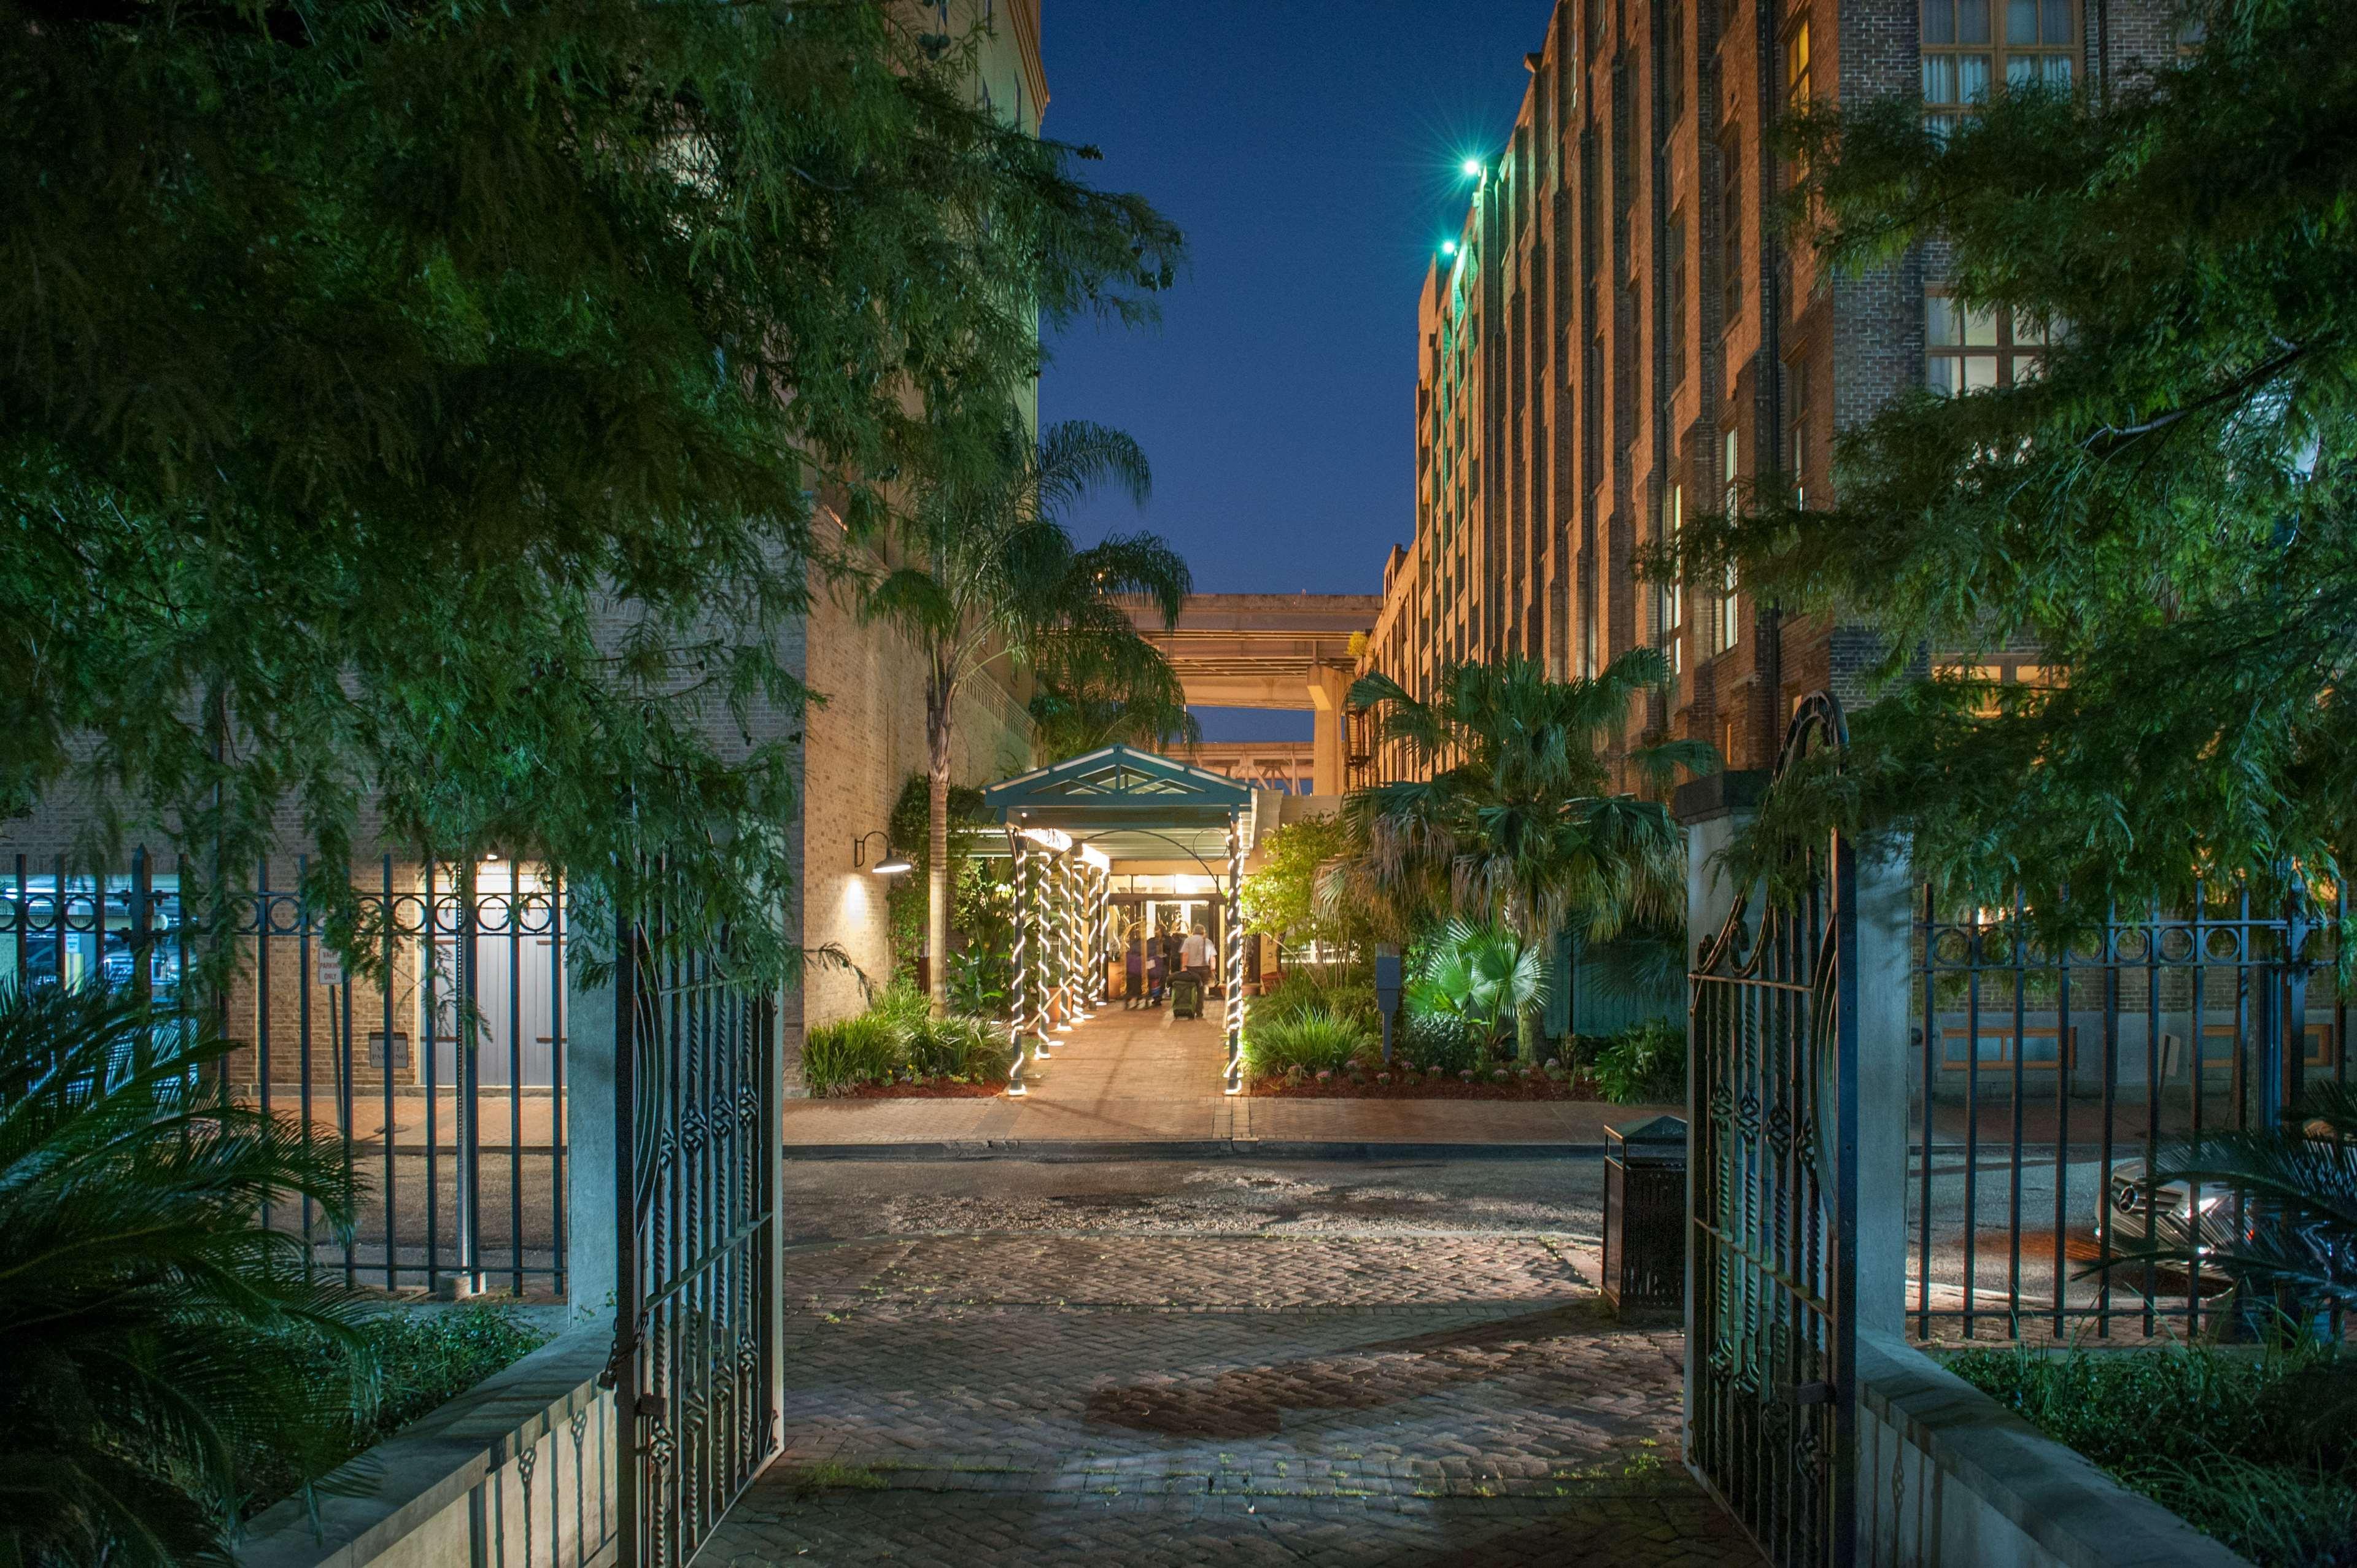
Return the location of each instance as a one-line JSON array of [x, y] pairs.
[[696, 1063], [427, 1043], [2056, 1056], [1771, 1330], [1236, 958]]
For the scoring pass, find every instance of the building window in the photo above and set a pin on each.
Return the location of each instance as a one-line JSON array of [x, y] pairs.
[[1972, 349], [1797, 89], [1670, 597], [1674, 64], [1673, 301], [1727, 616], [1968, 45], [1730, 224]]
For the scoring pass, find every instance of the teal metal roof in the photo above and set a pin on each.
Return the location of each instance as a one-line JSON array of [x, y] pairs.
[[1131, 805]]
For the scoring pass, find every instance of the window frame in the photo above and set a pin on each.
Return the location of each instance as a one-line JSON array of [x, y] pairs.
[[2015, 341], [2056, 62]]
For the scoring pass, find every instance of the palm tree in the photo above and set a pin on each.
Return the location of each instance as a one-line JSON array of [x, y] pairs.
[[151, 1326], [991, 574], [1091, 696], [1515, 819]]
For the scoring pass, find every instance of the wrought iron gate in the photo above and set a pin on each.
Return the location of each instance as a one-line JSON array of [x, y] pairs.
[[1771, 1330], [695, 1343]]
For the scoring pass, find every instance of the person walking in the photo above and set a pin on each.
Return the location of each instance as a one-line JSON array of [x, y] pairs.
[[1133, 970], [1195, 955]]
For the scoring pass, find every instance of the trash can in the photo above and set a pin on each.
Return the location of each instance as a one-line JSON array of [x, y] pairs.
[[1645, 1214]]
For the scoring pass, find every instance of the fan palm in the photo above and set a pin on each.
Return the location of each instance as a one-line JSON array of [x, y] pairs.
[[1091, 696], [990, 573], [1484, 978], [146, 1315], [1514, 818], [2296, 1188]]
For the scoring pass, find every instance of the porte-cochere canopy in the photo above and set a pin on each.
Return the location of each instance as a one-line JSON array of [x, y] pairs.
[[1067, 825], [1128, 804]]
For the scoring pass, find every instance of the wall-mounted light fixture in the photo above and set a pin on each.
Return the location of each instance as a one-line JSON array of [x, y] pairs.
[[893, 862]]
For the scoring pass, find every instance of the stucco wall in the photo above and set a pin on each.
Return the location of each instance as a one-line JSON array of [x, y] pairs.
[[859, 746]]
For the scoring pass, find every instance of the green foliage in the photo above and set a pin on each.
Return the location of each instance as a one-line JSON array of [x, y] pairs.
[[2260, 1452], [899, 1037], [2166, 510], [989, 577], [443, 436], [848, 1053], [1092, 694], [1480, 979], [1282, 897], [1428, 1040], [1645, 1064], [1314, 1041], [1515, 821], [158, 1337], [1347, 994], [424, 1358]]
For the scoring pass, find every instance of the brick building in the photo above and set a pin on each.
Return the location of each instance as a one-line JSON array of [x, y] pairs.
[[1614, 338]]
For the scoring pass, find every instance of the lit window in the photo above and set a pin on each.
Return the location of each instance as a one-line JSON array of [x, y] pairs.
[[1964, 54], [1727, 615], [1973, 348]]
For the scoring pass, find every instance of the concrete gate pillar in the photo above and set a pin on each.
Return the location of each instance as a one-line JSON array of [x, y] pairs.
[[591, 1285]]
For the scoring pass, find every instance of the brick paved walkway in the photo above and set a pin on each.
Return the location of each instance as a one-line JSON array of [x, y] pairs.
[[1147, 1076], [1332, 1400]]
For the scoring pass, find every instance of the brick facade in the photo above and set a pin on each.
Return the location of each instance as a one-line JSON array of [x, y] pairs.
[[1602, 338]]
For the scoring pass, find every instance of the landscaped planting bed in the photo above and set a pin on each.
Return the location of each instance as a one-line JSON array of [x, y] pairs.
[[927, 1088], [1409, 1084], [897, 1049], [2258, 1450]]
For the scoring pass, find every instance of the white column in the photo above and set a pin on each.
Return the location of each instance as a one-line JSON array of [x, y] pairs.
[[1018, 1019], [1235, 957]]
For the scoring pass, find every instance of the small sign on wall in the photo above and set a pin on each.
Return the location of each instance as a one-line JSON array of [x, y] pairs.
[[329, 969]]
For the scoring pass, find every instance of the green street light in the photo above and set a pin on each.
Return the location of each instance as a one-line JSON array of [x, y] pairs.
[[1448, 247], [1472, 168]]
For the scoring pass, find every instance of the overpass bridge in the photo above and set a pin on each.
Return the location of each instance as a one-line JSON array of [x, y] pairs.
[[1285, 651]]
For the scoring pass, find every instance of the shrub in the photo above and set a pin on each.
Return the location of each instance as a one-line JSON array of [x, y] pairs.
[[956, 1047], [1316, 1042], [896, 1035], [837, 1057], [2259, 1451], [1483, 978], [1345, 994], [1437, 1045], [424, 1358], [1645, 1064]]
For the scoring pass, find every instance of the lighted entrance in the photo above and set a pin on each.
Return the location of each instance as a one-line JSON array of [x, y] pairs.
[[1115, 842]]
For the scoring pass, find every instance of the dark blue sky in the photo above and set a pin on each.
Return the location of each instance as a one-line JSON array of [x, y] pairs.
[[1309, 150]]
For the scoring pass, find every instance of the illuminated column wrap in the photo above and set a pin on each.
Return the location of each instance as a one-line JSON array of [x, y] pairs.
[[1015, 1018], [1235, 997]]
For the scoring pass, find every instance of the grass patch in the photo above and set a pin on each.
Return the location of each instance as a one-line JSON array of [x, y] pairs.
[[2258, 1450], [1314, 1041]]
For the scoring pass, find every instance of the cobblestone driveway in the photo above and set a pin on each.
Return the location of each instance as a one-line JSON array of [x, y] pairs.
[[1046, 1398]]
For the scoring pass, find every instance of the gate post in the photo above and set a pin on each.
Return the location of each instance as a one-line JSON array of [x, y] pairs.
[[1887, 901], [590, 1216]]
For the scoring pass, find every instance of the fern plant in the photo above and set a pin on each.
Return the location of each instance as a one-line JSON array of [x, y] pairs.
[[158, 1344]]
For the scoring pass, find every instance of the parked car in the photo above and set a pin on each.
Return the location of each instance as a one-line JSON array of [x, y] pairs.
[[2131, 1217]]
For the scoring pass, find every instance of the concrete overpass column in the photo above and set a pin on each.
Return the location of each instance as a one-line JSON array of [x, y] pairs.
[[1328, 688]]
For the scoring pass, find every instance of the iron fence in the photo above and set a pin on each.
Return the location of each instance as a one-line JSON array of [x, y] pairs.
[[433, 1053], [2048, 1075], [697, 1244]]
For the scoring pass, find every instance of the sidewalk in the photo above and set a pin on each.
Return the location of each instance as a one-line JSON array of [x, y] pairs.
[[1148, 1079]]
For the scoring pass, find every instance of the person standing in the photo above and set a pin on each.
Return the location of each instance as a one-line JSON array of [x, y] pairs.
[[1196, 955]]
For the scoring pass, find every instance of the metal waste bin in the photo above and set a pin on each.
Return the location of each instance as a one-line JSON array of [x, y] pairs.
[[1645, 1214]]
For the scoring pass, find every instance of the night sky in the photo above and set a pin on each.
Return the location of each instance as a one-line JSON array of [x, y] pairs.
[[1309, 149]]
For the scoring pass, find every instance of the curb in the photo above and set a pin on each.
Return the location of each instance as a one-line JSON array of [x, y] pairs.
[[1078, 1150]]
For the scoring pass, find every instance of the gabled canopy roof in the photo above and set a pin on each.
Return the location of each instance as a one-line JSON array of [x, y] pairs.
[[1131, 805]]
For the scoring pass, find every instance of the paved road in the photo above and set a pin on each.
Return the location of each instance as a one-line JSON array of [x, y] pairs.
[[1159, 1363]]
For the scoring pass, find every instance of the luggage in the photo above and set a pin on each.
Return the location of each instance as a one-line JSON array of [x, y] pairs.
[[1187, 997]]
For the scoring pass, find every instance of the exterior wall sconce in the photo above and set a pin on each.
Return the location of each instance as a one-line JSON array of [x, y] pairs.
[[892, 864]]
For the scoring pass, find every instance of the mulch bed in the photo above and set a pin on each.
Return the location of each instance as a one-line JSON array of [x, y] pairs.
[[938, 1088], [1420, 1088]]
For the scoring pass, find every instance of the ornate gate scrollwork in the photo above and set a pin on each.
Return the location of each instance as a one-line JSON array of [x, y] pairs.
[[1771, 1331], [695, 1136]]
